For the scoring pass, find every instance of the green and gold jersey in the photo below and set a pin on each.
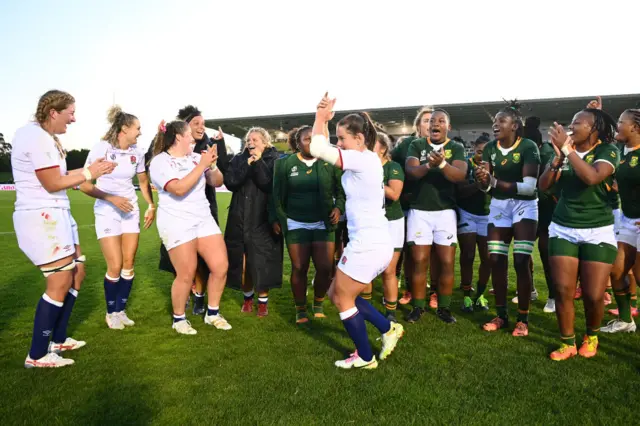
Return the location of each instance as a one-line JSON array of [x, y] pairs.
[[547, 154], [614, 197], [628, 178], [434, 192], [392, 171], [399, 155], [507, 164], [304, 201], [478, 202], [580, 205]]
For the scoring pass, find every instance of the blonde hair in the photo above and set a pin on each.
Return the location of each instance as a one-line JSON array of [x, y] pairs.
[[266, 137], [385, 142], [416, 123], [53, 100], [118, 119]]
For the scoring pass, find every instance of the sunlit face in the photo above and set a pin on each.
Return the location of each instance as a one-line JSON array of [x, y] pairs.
[[132, 133], [185, 140], [439, 127], [60, 120], [581, 126], [423, 125], [348, 141], [626, 128], [197, 127], [305, 143], [255, 143], [477, 152], [380, 149], [504, 126]]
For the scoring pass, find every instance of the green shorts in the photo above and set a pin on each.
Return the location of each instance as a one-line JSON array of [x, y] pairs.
[[308, 236], [589, 244]]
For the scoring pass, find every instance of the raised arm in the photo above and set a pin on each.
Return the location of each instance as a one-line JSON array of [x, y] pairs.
[[320, 146]]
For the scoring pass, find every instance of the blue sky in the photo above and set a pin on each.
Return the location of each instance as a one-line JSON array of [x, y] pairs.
[[258, 58]]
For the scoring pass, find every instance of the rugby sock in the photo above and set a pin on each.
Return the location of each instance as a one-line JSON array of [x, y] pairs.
[[47, 312], [466, 288], [419, 303], [502, 312], [124, 289], [391, 306], [263, 300], [523, 316], [568, 340], [634, 302], [213, 310], [178, 318], [111, 293], [480, 288], [301, 310], [60, 329], [372, 315], [366, 296], [248, 295], [445, 301], [354, 323], [318, 307], [623, 299], [199, 300], [592, 331]]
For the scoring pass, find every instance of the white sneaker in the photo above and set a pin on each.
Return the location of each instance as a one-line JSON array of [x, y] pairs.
[[124, 319], [390, 339], [68, 345], [184, 327], [218, 321], [354, 361], [619, 326], [534, 296], [50, 360], [114, 322], [550, 306]]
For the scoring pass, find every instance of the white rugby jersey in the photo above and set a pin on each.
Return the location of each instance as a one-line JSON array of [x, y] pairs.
[[163, 169], [34, 149], [363, 183], [129, 163]]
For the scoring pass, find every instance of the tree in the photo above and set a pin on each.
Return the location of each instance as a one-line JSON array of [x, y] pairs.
[[76, 158], [5, 155]]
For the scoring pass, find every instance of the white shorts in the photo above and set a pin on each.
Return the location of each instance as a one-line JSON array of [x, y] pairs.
[[617, 215], [628, 232], [111, 221], [365, 265], [425, 228], [46, 235], [505, 213], [595, 236], [472, 224], [396, 232], [174, 233]]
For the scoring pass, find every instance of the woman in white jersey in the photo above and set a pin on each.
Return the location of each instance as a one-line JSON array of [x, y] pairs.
[[45, 229], [369, 250], [116, 210], [185, 223]]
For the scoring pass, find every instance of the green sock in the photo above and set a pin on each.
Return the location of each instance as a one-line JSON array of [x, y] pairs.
[[570, 340], [317, 305], [624, 306], [419, 303], [444, 301], [480, 288], [610, 291], [466, 288], [523, 317], [502, 312], [592, 331], [391, 307], [366, 296], [634, 302]]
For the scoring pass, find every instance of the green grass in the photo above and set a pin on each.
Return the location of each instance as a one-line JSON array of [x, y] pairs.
[[268, 371]]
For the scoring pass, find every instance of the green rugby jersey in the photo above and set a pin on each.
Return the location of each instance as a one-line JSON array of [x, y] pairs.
[[399, 155], [628, 178], [434, 192], [392, 171], [580, 205], [304, 201], [507, 164], [614, 197], [478, 202]]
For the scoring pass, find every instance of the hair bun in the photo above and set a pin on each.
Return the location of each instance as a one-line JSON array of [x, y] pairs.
[[187, 111], [113, 113]]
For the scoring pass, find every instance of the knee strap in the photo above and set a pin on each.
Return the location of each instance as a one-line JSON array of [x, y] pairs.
[[81, 259], [127, 274], [523, 247], [50, 271], [498, 247]]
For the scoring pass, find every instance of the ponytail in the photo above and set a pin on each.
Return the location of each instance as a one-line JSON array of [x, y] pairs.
[[360, 123], [165, 139]]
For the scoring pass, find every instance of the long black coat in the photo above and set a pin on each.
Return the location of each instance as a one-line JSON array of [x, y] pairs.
[[248, 231]]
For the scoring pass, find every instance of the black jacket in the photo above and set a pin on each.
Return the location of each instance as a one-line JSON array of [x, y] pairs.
[[223, 164], [248, 231]]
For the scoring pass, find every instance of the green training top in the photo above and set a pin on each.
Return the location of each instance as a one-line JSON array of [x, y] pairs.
[[392, 171], [581, 206], [628, 178], [478, 202], [507, 164], [434, 192]]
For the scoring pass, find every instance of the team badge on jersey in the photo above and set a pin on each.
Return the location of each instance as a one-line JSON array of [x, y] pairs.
[[447, 154], [344, 260], [134, 160], [633, 162], [516, 157], [294, 171], [589, 158]]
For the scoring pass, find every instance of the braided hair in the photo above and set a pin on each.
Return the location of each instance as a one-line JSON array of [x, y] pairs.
[[513, 110], [634, 113], [603, 124], [53, 100], [118, 120], [294, 137]]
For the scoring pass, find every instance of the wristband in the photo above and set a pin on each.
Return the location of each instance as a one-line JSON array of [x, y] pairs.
[[214, 167], [442, 165], [493, 182], [566, 149], [87, 174], [151, 207]]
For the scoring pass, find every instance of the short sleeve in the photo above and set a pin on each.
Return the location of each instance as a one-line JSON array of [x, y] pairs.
[[161, 172], [43, 152], [609, 154], [414, 149], [94, 154], [396, 172], [140, 168], [531, 154], [486, 153], [457, 153], [353, 160]]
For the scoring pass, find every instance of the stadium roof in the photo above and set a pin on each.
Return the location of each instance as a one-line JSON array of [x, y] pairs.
[[398, 120]]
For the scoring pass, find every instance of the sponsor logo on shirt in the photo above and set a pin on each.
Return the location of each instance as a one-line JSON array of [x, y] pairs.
[[423, 155], [516, 157], [113, 156], [294, 171], [503, 162], [395, 172], [309, 171]]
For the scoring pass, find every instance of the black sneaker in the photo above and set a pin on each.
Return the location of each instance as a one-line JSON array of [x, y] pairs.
[[415, 315], [198, 305], [445, 315], [391, 316]]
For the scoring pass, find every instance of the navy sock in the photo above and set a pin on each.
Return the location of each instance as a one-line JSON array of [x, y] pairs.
[[248, 295], [124, 289], [357, 330], [60, 329], [211, 311], [372, 315], [111, 293], [47, 313], [178, 318]]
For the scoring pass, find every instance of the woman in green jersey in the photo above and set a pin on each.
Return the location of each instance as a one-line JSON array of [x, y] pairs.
[[510, 172], [581, 235], [628, 179], [437, 164], [473, 219], [304, 190]]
